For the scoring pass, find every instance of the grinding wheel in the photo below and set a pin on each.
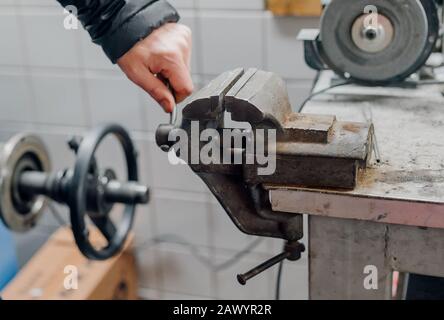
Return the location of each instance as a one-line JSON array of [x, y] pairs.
[[386, 48]]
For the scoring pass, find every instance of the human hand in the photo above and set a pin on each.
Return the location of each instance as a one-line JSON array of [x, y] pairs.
[[164, 54]]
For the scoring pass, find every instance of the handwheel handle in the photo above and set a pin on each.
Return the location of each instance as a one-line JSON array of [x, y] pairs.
[[77, 201]]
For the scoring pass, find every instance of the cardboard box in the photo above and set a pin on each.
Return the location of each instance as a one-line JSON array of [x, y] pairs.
[[312, 8], [59, 271]]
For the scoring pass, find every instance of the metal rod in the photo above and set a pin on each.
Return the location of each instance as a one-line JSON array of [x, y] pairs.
[[127, 193], [243, 278], [39, 183], [33, 183], [376, 148]]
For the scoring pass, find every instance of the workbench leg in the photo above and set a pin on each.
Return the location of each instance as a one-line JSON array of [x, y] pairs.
[[344, 256]]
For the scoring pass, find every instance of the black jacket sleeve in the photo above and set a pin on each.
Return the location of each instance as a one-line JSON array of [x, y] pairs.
[[117, 25]]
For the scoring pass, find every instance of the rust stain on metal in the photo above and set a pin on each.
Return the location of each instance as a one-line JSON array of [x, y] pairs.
[[367, 177], [352, 127]]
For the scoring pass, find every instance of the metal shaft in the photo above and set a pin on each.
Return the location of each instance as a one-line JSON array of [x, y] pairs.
[[33, 183], [243, 278], [55, 186], [128, 193]]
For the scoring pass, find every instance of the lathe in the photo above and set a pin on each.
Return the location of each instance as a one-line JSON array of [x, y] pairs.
[[90, 192]]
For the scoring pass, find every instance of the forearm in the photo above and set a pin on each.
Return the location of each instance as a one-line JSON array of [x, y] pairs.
[[117, 25]]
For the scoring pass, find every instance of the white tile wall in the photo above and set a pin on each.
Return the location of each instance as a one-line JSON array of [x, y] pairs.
[[15, 98], [43, 3], [185, 216], [112, 99], [92, 55], [6, 2], [225, 234], [48, 43], [150, 270], [294, 285], [153, 113], [189, 18], [11, 53], [283, 50], [57, 145], [183, 4], [59, 100], [298, 91], [173, 177], [230, 40], [57, 83], [183, 273]]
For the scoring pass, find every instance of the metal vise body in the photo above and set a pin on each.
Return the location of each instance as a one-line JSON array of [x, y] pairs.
[[314, 151]]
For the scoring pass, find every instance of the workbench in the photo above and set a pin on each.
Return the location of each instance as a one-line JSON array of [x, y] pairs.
[[394, 219]]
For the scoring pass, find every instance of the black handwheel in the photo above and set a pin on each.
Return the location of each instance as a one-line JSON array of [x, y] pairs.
[[78, 197]]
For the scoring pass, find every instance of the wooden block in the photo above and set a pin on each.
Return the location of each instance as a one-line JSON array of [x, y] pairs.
[[311, 8], [44, 276]]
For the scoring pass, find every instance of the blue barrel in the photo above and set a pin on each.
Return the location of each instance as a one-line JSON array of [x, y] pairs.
[[8, 257]]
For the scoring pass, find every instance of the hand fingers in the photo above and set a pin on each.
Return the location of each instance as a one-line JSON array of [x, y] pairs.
[[179, 77], [188, 54], [155, 88]]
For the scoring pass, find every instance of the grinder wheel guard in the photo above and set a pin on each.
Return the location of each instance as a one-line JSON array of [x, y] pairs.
[[378, 41], [27, 184]]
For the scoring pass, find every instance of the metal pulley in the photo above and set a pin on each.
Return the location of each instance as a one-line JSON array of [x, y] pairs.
[[27, 182], [374, 42]]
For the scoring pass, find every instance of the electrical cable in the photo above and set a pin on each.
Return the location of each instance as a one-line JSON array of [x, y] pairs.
[[279, 280], [168, 238], [314, 94], [315, 81]]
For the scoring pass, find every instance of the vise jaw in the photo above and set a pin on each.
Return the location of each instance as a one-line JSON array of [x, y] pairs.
[[314, 151]]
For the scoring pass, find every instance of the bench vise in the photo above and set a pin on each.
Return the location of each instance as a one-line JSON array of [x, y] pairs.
[[313, 151]]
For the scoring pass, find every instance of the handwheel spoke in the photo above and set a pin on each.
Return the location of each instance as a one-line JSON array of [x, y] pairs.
[[106, 227], [84, 196]]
